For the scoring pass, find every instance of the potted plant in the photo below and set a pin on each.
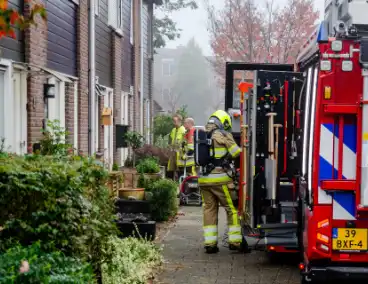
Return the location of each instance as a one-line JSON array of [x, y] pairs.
[[149, 167]]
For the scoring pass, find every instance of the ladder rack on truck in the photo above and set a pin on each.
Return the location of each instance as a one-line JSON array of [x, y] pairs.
[[268, 196]]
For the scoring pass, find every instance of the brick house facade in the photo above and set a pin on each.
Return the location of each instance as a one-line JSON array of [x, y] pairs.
[[57, 53]]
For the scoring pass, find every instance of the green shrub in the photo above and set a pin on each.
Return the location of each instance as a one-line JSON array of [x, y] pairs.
[[162, 196], [131, 261], [148, 166], [53, 140], [43, 267], [61, 201]]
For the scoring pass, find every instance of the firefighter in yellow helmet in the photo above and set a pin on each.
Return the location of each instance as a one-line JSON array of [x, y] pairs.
[[215, 183], [176, 162]]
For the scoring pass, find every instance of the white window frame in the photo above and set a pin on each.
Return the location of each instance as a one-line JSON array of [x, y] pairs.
[[96, 121], [124, 121], [167, 61], [76, 129], [131, 23], [97, 7], [57, 105], [6, 66], [108, 99], [115, 14]]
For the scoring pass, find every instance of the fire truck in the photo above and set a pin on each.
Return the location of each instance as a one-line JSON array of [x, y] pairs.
[[303, 183]]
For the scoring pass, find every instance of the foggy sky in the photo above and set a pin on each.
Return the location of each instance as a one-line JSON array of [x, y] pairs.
[[194, 24]]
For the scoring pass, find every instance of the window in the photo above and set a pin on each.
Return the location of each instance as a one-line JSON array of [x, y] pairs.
[[166, 93], [167, 67], [115, 15], [131, 24], [55, 107], [97, 7], [2, 104]]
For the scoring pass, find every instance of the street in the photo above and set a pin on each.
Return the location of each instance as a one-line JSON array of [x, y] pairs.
[[186, 262]]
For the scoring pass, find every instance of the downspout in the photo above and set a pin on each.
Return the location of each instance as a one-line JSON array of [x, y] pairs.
[[142, 73], [92, 78]]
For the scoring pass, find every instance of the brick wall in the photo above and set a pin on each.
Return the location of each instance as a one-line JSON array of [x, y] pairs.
[[82, 66], [35, 53], [117, 85], [69, 111]]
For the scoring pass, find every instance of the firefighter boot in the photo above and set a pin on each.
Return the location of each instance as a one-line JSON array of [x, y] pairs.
[[211, 249], [234, 246]]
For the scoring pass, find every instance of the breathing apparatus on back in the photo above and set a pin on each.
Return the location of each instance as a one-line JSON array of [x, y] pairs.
[[204, 149]]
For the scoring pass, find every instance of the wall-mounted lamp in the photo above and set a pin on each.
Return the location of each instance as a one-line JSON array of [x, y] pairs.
[[49, 91]]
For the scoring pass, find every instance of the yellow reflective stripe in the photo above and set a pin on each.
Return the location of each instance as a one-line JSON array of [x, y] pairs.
[[190, 146], [210, 229], [231, 205], [235, 238], [210, 240], [214, 178], [234, 150], [234, 229]]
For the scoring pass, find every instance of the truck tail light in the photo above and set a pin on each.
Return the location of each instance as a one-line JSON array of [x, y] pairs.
[[323, 247], [323, 223], [323, 238]]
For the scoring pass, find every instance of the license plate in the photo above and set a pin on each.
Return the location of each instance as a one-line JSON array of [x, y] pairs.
[[349, 239]]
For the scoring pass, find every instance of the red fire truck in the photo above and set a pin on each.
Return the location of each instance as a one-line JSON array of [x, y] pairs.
[[304, 169]]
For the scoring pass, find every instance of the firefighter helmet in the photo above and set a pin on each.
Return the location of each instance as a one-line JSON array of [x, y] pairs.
[[222, 119]]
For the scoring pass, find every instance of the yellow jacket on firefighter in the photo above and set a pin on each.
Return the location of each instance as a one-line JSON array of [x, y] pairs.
[[215, 185], [176, 139]]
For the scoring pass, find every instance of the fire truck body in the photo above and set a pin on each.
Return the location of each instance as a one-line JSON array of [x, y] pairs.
[[333, 182]]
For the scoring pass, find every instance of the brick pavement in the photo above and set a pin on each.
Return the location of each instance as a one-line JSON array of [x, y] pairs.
[[186, 262]]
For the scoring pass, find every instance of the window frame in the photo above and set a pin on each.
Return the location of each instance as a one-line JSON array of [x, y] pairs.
[[162, 92], [115, 16], [167, 61]]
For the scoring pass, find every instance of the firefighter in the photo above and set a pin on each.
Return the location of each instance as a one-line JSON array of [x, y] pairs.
[[175, 141], [188, 145], [215, 184]]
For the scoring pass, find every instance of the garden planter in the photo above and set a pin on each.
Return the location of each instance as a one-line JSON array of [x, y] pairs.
[[132, 193], [115, 182], [131, 178], [130, 228], [132, 206]]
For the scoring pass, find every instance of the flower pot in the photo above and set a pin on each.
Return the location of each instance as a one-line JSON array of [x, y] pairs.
[[132, 193], [130, 177]]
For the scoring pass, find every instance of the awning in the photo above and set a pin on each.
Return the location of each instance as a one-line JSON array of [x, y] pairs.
[[43, 71]]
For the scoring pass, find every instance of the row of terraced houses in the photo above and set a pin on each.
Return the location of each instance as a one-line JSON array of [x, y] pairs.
[[90, 55]]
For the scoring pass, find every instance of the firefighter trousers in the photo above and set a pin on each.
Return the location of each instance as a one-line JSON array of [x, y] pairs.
[[212, 196]]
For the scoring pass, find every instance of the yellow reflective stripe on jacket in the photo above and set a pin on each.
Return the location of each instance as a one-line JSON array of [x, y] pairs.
[[190, 147], [219, 152], [234, 150], [214, 178]]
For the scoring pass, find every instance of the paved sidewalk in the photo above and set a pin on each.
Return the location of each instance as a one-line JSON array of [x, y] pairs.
[[186, 262]]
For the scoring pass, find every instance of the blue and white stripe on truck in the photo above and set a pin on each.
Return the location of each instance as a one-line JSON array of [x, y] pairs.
[[343, 203]]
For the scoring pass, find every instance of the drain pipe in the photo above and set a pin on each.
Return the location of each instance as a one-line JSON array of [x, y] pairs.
[[142, 73], [92, 78]]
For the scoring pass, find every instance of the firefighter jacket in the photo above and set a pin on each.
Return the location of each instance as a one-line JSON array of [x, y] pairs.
[[224, 145], [175, 140], [188, 148]]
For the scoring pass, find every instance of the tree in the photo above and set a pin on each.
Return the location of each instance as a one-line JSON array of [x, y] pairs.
[[243, 31], [11, 19], [192, 81], [164, 28]]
